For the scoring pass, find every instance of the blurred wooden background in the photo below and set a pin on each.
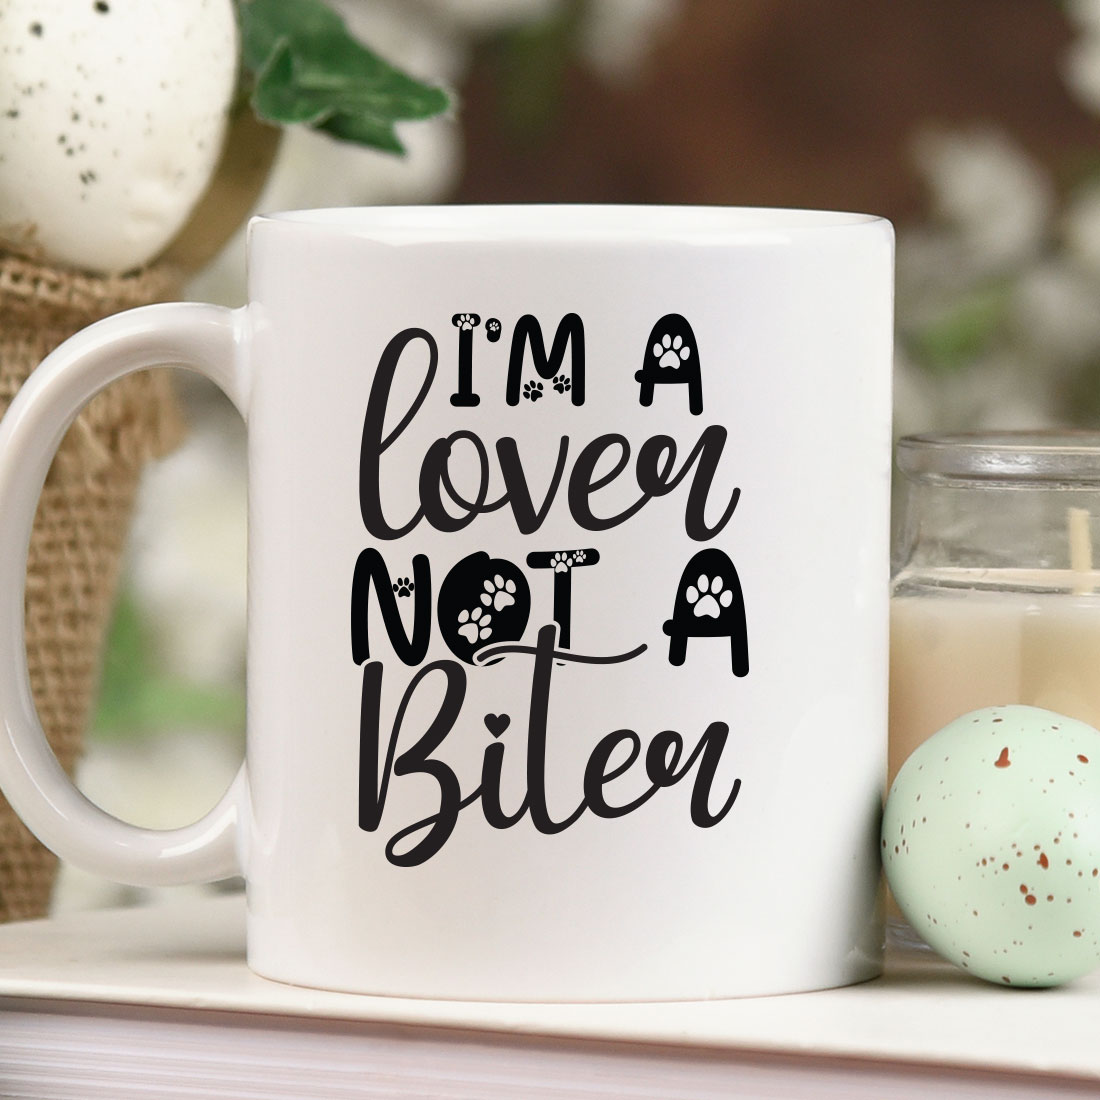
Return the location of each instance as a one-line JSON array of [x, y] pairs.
[[762, 103]]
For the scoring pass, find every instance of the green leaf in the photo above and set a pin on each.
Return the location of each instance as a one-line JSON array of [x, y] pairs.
[[265, 22], [308, 70]]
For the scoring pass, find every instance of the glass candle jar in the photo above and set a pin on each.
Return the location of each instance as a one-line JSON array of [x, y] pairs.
[[995, 598]]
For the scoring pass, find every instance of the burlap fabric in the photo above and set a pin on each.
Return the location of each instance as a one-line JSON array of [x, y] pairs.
[[81, 526]]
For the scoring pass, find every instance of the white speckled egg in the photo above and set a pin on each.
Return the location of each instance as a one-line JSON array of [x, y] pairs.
[[112, 114], [991, 844]]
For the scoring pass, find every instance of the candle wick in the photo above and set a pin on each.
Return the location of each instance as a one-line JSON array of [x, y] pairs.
[[1080, 549]]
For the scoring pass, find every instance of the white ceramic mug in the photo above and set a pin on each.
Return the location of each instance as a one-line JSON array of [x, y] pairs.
[[567, 597]]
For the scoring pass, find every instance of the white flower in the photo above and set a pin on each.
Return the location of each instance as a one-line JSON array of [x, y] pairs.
[[992, 241], [989, 193], [188, 555], [616, 35], [1081, 229], [1055, 312], [1081, 70], [1081, 65], [1085, 13]]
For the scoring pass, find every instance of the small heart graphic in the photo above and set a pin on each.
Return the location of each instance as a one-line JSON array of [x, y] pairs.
[[496, 724]]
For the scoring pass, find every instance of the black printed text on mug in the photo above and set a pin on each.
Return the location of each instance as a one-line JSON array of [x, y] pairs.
[[484, 602]]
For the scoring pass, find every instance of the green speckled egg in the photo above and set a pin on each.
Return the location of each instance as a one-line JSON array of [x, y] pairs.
[[991, 844]]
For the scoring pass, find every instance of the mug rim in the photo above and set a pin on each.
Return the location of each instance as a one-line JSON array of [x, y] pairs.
[[611, 222]]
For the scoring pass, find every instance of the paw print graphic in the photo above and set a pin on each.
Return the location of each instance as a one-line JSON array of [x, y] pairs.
[[707, 597], [474, 625], [464, 322], [532, 390], [403, 586], [492, 330], [578, 557], [499, 593], [563, 384], [561, 562], [670, 351]]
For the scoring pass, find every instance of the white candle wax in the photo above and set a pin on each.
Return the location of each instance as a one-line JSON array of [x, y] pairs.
[[953, 650]]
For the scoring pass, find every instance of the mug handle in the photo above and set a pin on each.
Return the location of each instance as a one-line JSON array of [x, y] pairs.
[[211, 340]]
